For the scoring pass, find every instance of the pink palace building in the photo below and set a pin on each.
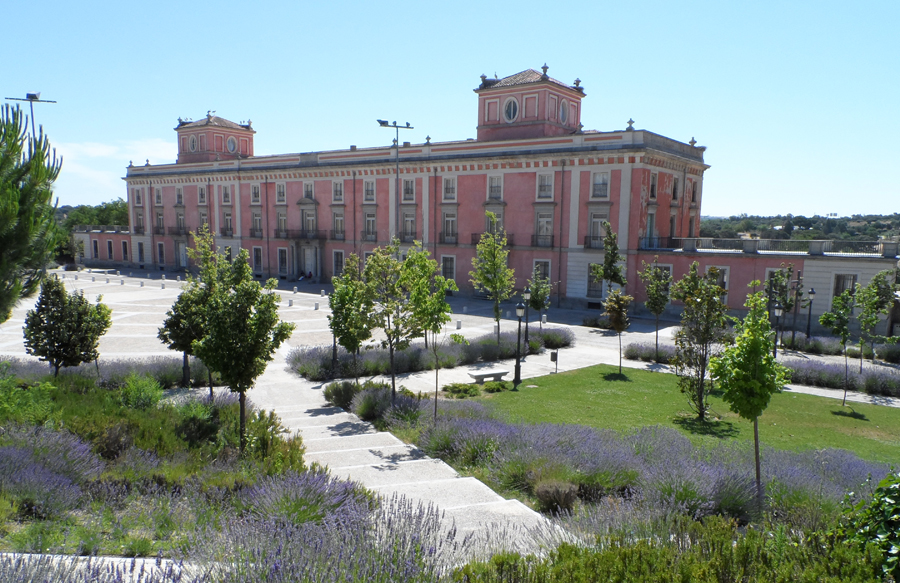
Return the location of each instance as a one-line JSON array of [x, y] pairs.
[[550, 182]]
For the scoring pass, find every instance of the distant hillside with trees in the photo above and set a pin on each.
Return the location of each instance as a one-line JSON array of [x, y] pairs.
[[853, 228]]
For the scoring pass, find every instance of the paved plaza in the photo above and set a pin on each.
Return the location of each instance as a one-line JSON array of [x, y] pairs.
[[333, 437]]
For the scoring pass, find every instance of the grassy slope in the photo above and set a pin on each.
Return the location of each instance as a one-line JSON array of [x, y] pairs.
[[599, 397]]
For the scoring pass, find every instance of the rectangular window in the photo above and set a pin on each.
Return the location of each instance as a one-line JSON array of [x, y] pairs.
[[369, 190], [448, 267], [337, 192], [495, 187], [308, 190], [109, 250], [338, 263], [844, 282], [201, 195], [158, 196], [140, 252], [161, 254], [226, 195], [675, 188], [257, 259], [409, 190], [282, 261], [545, 186], [280, 196], [600, 187], [449, 188], [254, 194], [543, 267], [653, 180], [137, 197]]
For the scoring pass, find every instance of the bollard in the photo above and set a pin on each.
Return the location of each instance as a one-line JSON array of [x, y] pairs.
[[459, 324], [290, 303], [162, 285], [316, 306], [295, 289], [142, 284]]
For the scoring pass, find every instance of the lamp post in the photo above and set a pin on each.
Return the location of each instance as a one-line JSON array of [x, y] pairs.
[[526, 295], [778, 311], [520, 311], [383, 123], [812, 295]]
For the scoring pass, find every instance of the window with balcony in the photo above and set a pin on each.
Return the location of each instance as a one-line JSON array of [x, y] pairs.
[[179, 196], [255, 197], [308, 190], [409, 190], [545, 186], [337, 192], [495, 187], [226, 195], [654, 178], [600, 188], [280, 194], [369, 191], [449, 188]]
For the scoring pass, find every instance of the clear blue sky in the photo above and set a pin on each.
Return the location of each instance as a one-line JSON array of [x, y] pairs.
[[797, 102]]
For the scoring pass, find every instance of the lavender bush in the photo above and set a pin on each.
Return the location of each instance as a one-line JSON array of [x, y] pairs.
[[878, 380]]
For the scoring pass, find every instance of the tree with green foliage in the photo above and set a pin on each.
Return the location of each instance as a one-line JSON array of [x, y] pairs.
[[28, 230], [838, 321], [351, 304], [64, 329], [703, 320], [611, 270], [657, 283], [616, 309], [427, 296], [747, 372], [490, 271], [874, 300], [185, 321], [540, 293], [391, 312], [243, 330]]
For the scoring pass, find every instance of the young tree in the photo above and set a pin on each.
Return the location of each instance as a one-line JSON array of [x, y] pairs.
[[611, 271], [64, 329], [242, 331], [838, 320], [28, 230], [657, 282], [747, 372], [351, 304], [616, 309], [540, 294], [384, 274], [427, 296], [702, 324], [490, 272]]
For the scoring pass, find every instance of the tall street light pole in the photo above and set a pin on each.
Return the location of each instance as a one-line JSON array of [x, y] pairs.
[[32, 98], [383, 123], [812, 295]]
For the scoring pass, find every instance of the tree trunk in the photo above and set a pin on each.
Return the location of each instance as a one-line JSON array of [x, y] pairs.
[[185, 370], [759, 490], [243, 401]]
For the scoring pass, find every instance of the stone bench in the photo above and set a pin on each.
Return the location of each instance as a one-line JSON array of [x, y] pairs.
[[493, 374]]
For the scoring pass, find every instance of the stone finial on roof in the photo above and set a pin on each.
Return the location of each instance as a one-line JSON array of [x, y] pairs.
[[544, 69]]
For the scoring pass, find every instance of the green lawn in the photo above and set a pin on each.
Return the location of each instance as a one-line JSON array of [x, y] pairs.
[[599, 397]]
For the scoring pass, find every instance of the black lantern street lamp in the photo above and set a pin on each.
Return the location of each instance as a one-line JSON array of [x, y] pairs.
[[526, 295], [812, 295], [520, 311], [778, 311]]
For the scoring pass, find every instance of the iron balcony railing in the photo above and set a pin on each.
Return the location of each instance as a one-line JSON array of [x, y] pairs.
[[542, 240], [593, 242]]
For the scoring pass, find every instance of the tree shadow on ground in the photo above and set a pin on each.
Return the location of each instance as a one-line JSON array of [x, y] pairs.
[[851, 414], [720, 429], [616, 376]]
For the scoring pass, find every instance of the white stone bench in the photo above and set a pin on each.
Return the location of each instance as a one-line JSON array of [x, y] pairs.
[[495, 374]]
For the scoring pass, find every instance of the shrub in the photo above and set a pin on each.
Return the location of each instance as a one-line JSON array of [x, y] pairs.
[[140, 392], [555, 496], [461, 390], [341, 393]]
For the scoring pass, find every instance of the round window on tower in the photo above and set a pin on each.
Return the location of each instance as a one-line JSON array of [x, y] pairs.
[[511, 109], [231, 144], [564, 112], [193, 143]]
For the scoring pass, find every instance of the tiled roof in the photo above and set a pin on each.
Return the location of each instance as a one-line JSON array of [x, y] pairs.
[[523, 78], [212, 120]]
